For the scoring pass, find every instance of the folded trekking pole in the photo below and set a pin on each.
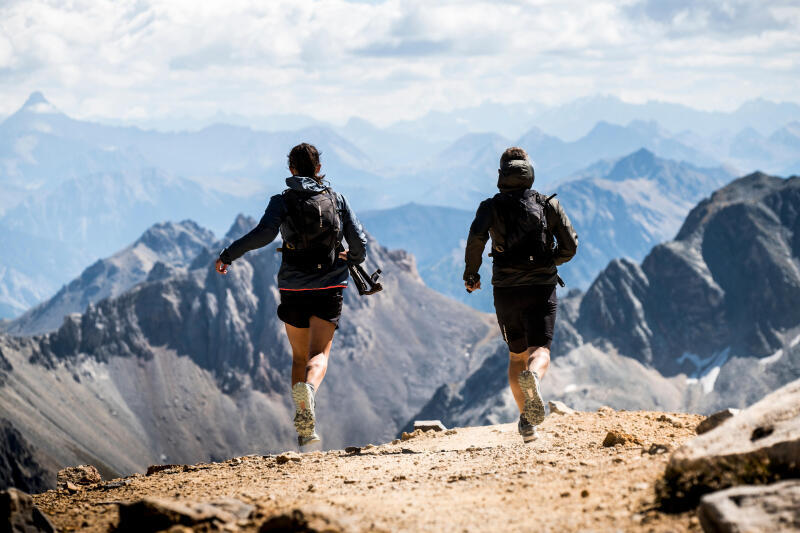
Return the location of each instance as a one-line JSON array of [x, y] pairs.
[[365, 283]]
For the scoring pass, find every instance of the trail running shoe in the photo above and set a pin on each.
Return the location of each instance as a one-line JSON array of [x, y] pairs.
[[311, 439], [526, 429], [534, 405], [304, 421]]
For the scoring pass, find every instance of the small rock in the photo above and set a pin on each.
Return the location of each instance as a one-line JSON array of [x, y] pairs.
[[353, 450], [154, 469], [71, 487], [773, 507], [429, 425], [398, 478], [408, 436], [559, 408], [657, 449], [604, 409], [714, 420], [288, 456], [116, 484], [20, 515], [450, 432], [396, 441], [669, 420], [79, 475], [369, 446], [616, 436], [565, 494], [349, 481], [156, 514], [584, 493], [298, 520]]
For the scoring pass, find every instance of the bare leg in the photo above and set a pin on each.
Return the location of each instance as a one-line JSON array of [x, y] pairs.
[[539, 360], [300, 339], [319, 350], [517, 362], [536, 359]]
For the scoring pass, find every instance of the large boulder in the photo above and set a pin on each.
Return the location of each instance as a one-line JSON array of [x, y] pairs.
[[18, 514], [760, 445], [156, 514], [773, 507]]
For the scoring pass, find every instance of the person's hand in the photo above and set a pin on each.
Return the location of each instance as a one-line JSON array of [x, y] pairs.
[[343, 255], [221, 267], [472, 286]]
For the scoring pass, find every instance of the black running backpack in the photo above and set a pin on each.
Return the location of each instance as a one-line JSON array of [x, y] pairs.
[[520, 233], [313, 229]]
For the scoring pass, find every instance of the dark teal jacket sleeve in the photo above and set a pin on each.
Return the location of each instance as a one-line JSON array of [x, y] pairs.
[[476, 241], [353, 233], [263, 234]]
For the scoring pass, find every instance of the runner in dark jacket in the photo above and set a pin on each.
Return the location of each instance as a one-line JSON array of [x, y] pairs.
[[531, 235], [310, 286]]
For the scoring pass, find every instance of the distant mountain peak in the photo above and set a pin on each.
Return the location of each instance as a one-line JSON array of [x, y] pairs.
[[36, 97], [240, 226], [640, 163], [37, 103]]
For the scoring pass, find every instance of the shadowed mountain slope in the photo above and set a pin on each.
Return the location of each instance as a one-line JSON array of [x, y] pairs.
[[707, 321], [190, 365]]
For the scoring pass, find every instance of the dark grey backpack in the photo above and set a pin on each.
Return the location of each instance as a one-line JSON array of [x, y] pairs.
[[313, 229], [520, 233]]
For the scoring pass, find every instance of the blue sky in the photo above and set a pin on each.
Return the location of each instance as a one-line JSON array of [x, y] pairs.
[[390, 60]]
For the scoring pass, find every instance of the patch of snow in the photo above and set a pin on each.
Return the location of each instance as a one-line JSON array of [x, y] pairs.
[[771, 358], [706, 368], [795, 342]]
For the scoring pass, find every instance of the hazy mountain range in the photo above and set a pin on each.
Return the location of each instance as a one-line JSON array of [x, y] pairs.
[[170, 362], [708, 320], [621, 209], [75, 191]]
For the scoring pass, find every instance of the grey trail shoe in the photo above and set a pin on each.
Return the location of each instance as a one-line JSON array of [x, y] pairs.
[[534, 405], [305, 441], [526, 429], [304, 421]]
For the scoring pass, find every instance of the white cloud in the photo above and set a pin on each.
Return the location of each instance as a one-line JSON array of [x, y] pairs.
[[389, 60]]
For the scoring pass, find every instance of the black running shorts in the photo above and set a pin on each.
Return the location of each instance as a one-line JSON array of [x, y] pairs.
[[297, 307], [526, 315]]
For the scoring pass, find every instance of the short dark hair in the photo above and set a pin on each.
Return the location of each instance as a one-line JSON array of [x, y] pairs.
[[515, 153], [304, 159]]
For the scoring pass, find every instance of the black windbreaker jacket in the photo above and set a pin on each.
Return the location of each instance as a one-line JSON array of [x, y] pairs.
[[517, 178]]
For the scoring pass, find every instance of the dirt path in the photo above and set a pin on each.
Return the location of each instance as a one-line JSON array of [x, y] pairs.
[[475, 479]]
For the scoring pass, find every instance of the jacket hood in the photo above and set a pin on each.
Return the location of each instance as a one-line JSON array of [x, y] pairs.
[[305, 184], [515, 175]]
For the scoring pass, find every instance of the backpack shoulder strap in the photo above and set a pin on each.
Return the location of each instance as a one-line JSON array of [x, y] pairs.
[[291, 199]]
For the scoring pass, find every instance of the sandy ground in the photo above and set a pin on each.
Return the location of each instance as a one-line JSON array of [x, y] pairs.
[[472, 479]]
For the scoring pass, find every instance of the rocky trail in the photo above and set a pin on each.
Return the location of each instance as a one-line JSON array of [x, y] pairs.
[[586, 472]]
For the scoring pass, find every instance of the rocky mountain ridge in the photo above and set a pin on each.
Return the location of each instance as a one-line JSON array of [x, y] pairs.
[[169, 245], [619, 209], [681, 330], [188, 365]]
